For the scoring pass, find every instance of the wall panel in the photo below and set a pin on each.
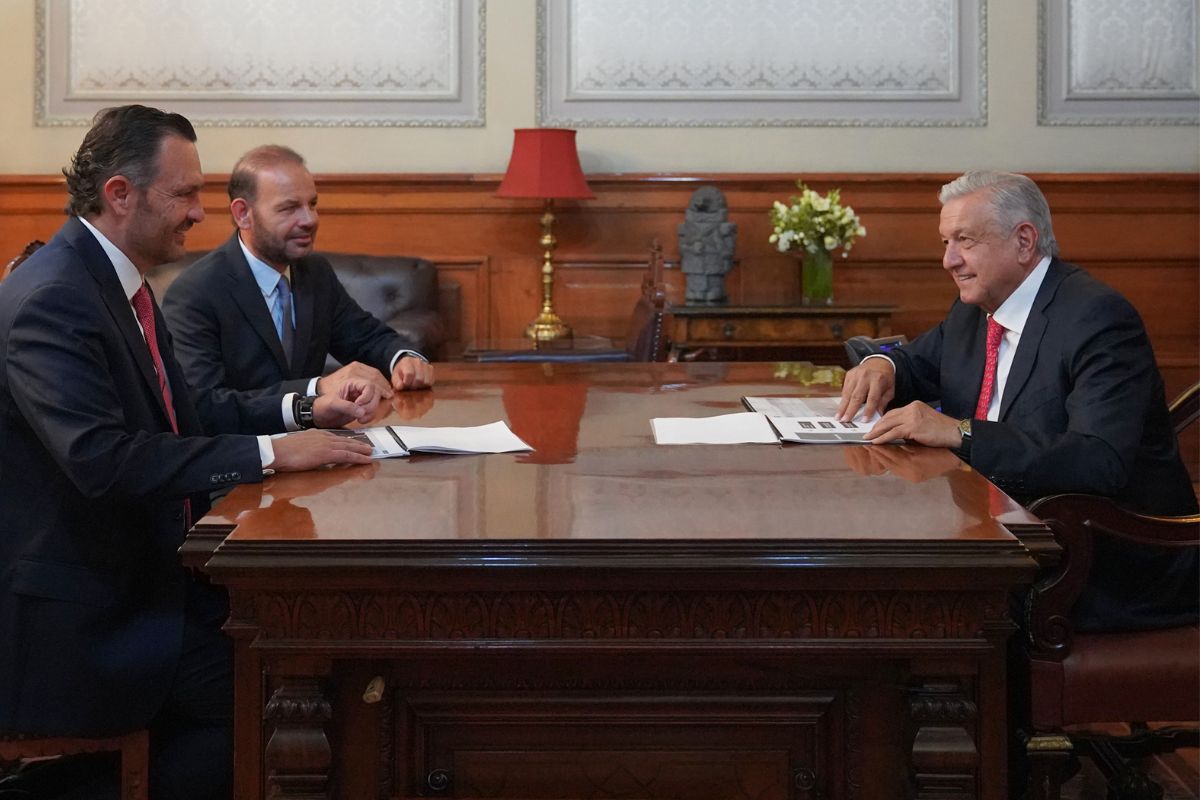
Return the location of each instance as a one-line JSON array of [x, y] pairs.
[[1141, 233]]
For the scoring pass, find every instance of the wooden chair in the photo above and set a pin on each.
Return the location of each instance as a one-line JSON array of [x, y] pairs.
[[645, 340], [29, 250], [133, 747], [1088, 679]]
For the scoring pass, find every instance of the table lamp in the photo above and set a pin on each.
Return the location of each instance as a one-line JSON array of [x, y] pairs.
[[545, 164]]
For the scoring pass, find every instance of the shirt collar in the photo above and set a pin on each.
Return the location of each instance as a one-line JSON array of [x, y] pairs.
[[1014, 311], [266, 276], [131, 280]]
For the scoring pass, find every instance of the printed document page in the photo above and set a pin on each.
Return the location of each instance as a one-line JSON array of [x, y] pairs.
[[820, 430], [741, 428]]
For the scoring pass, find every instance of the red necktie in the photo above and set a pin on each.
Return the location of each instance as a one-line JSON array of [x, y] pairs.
[[995, 332], [143, 306]]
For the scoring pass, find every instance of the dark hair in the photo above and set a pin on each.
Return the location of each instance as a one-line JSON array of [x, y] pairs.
[[123, 140], [243, 181]]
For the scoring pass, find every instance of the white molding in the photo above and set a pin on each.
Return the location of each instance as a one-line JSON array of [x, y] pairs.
[[446, 94], [955, 96], [1063, 101]]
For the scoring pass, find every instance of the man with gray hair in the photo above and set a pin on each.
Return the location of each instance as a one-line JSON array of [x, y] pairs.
[[1047, 384]]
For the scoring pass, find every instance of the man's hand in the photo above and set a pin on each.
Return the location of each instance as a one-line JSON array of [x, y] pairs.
[[312, 449], [356, 401], [354, 371], [411, 372], [869, 387], [919, 423]]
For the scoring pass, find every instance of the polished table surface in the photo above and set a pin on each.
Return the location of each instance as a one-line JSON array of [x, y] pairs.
[[601, 543]]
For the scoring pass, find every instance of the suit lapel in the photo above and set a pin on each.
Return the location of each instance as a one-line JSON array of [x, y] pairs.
[[302, 301], [249, 298], [98, 264], [1031, 338]]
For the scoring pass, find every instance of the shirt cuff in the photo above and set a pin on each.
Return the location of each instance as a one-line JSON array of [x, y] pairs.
[[401, 354], [289, 421], [312, 387], [879, 355], [266, 453]]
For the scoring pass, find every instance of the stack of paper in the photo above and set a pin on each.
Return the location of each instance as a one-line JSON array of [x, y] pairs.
[[399, 440], [744, 428]]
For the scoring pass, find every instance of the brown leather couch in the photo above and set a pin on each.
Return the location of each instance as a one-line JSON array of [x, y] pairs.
[[400, 290]]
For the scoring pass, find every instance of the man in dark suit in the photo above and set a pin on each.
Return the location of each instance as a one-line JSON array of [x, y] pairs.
[[1047, 384], [262, 312], [105, 462]]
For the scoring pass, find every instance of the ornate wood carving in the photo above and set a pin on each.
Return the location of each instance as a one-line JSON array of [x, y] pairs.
[[945, 759], [619, 615], [298, 756]]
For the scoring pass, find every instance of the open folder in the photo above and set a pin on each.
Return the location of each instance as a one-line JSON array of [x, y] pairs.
[[394, 441], [770, 420]]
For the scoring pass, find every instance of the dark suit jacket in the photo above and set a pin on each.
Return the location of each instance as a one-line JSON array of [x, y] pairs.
[[225, 338], [92, 484], [1083, 410]]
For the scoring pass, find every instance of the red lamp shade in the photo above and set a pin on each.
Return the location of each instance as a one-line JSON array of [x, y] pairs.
[[544, 163]]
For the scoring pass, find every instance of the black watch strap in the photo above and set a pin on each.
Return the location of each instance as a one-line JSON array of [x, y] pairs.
[[302, 411]]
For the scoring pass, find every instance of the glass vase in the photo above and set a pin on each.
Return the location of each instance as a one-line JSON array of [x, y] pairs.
[[816, 278]]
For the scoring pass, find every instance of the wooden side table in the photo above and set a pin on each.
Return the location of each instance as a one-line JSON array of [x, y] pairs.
[[814, 333], [578, 348]]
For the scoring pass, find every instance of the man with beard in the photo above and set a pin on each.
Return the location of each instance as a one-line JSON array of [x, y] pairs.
[[262, 312], [107, 462]]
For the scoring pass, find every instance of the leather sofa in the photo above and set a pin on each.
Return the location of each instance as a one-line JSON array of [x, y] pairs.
[[400, 290]]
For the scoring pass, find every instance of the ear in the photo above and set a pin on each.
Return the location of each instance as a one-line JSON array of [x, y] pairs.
[[1027, 241], [119, 195], [240, 210]]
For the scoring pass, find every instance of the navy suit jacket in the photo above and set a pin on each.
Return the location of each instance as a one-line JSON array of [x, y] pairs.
[[92, 486], [226, 340], [1083, 410]]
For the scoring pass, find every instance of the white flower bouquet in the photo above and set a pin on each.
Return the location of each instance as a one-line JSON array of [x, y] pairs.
[[814, 223]]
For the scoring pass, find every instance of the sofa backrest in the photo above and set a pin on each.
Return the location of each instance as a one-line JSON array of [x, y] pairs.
[[401, 291]]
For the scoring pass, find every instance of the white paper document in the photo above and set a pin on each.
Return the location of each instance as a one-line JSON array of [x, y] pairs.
[[742, 428], [393, 441]]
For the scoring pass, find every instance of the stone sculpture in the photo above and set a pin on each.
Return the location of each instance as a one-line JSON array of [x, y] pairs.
[[706, 240]]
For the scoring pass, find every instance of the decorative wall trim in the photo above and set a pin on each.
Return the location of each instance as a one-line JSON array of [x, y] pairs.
[[1102, 62], [617, 63], [222, 63]]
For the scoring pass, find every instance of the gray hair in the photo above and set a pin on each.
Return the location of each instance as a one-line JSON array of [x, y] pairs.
[[1014, 198]]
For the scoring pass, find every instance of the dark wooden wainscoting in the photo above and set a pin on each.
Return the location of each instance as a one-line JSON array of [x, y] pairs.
[[1138, 232]]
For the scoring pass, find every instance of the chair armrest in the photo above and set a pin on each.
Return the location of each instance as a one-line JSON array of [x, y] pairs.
[[1075, 519]]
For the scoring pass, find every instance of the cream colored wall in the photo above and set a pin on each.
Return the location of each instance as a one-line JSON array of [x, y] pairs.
[[1011, 140]]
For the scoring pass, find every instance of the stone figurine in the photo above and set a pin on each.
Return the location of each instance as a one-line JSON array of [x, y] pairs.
[[706, 239]]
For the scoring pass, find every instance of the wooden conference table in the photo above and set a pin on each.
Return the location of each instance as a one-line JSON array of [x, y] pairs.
[[605, 617]]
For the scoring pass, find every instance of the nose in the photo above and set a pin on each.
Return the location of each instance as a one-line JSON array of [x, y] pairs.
[[196, 212], [951, 258], [308, 216]]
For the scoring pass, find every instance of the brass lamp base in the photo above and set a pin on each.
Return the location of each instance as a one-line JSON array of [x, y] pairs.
[[547, 328]]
